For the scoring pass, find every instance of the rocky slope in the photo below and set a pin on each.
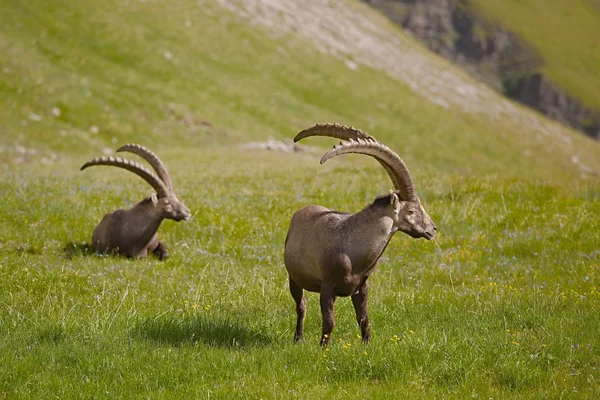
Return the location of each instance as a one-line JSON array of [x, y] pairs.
[[493, 54], [347, 31]]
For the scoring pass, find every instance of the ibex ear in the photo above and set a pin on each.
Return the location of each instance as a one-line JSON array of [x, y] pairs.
[[395, 201], [154, 198]]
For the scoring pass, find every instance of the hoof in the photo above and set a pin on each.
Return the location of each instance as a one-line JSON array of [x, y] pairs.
[[162, 254], [324, 341]]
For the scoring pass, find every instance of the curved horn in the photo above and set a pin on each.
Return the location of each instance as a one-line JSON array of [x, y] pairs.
[[134, 167], [344, 132], [153, 160], [397, 171], [337, 131]]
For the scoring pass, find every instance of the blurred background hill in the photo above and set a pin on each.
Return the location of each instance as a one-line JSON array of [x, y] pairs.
[[77, 75], [543, 53]]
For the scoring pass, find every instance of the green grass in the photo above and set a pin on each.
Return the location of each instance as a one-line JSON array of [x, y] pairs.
[[567, 35], [503, 304]]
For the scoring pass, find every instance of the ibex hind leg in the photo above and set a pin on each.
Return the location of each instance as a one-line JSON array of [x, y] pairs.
[[298, 295], [359, 300]]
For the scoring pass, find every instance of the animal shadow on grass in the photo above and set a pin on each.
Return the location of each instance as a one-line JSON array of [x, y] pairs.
[[22, 250], [73, 250], [214, 332], [51, 334]]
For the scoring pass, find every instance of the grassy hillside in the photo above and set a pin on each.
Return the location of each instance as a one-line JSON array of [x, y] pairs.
[[567, 35], [81, 75], [503, 304]]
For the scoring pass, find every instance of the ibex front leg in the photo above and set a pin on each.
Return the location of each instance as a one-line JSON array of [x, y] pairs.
[[298, 295], [359, 300], [158, 248], [327, 302], [161, 251]]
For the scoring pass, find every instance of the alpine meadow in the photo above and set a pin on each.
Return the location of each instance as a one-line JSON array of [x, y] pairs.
[[503, 303]]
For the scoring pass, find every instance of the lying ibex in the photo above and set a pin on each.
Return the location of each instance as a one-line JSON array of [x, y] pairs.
[[132, 232], [334, 253]]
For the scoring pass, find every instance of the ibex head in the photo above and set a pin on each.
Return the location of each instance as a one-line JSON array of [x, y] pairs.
[[409, 216], [165, 202], [402, 204]]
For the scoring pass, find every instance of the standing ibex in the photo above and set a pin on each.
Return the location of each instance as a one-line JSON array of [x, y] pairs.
[[334, 253], [132, 232]]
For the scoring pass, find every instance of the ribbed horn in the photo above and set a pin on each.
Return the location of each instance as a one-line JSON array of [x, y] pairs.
[[397, 171], [338, 131], [344, 132], [134, 167], [153, 160]]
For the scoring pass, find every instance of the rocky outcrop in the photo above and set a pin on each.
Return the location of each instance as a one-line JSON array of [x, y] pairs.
[[538, 92], [494, 55]]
